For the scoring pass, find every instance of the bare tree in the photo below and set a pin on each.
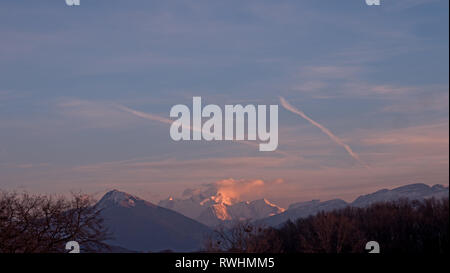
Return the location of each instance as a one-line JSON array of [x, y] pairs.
[[329, 233], [243, 237], [38, 223]]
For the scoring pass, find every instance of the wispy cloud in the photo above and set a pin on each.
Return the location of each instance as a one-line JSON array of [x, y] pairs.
[[92, 114], [147, 116], [333, 137], [191, 128], [331, 71], [231, 190]]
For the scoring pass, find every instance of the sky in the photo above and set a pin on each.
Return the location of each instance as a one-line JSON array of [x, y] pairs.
[[78, 85]]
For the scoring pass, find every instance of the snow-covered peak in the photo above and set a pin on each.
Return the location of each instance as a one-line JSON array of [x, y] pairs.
[[416, 191], [262, 202], [213, 209], [263, 208], [119, 198]]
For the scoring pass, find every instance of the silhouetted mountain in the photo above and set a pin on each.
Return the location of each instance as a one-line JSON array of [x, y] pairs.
[[142, 226], [305, 209]]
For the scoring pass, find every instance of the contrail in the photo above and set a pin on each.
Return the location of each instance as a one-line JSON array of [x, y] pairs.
[[160, 119], [144, 115], [333, 137], [169, 121]]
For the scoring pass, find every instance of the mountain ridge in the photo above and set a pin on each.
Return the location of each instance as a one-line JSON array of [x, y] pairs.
[[139, 225], [212, 211], [417, 191]]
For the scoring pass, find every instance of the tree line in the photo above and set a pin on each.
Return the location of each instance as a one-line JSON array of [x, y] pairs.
[[399, 227]]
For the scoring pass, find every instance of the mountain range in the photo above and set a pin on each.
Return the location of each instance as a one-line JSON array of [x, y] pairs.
[[304, 209], [182, 224], [213, 211]]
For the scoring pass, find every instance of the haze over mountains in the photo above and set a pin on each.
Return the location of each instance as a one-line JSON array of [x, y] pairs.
[[213, 210], [182, 224]]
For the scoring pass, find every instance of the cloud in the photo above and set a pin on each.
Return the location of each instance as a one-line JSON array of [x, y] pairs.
[[333, 137], [422, 139], [353, 82], [93, 114], [311, 86], [430, 99], [330, 71], [230, 191], [169, 121], [145, 115], [7, 95], [396, 157]]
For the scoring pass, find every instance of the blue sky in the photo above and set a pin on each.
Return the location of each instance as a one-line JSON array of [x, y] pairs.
[[377, 77]]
